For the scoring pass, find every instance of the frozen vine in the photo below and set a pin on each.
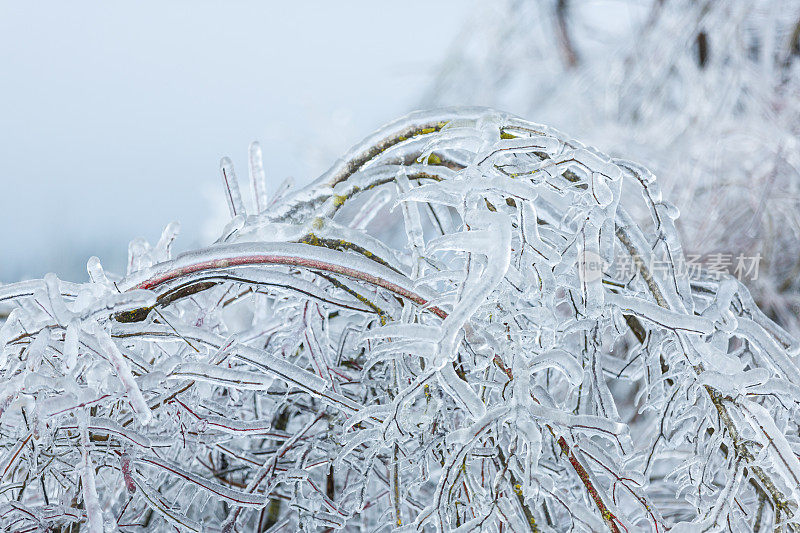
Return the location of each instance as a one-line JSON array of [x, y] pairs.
[[433, 335]]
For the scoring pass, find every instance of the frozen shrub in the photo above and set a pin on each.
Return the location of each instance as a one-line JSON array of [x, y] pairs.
[[458, 327]]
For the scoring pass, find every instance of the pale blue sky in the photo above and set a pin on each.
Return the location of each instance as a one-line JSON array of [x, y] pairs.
[[113, 115]]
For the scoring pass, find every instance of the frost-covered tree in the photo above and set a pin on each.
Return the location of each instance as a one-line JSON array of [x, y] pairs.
[[705, 93], [459, 327]]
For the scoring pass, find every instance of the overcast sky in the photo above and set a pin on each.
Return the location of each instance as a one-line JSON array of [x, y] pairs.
[[114, 115]]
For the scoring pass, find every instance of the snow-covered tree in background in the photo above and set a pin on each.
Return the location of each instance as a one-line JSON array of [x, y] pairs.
[[460, 326], [705, 93]]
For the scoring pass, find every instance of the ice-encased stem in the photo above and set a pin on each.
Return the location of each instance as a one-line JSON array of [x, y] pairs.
[[232, 193], [123, 370]]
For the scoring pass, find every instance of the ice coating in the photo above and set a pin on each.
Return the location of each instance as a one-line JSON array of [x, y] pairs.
[[233, 194], [124, 374], [433, 334]]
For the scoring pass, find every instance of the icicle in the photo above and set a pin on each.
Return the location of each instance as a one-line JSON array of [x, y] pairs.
[[138, 255], [96, 273], [257, 178], [91, 502], [162, 251], [71, 346]]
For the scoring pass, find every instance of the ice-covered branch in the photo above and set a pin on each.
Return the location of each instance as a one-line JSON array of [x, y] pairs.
[[459, 326]]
